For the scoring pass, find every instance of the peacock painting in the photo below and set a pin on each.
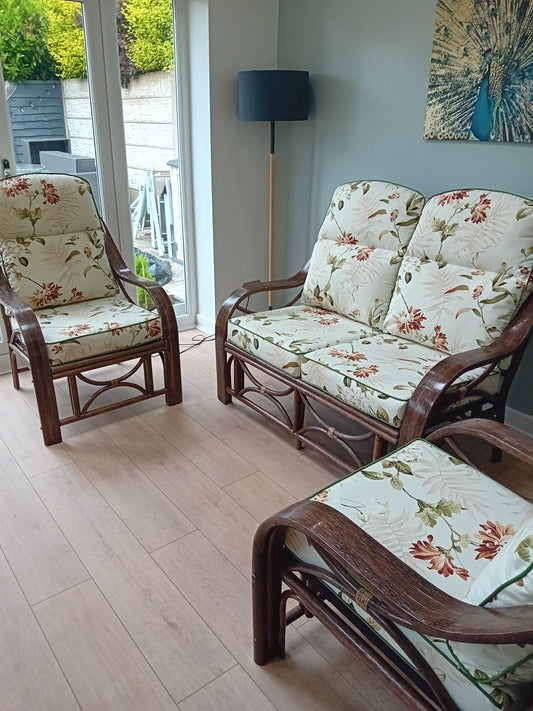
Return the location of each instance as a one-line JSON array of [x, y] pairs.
[[481, 76]]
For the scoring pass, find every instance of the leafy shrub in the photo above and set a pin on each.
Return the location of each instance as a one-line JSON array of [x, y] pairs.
[[65, 38], [141, 269], [23, 49], [150, 34]]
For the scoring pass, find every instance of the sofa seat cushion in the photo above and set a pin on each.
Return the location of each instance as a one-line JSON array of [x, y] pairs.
[[70, 263], [379, 374], [356, 258], [448, 522], [75, 331], [466, 271], [281, 337]]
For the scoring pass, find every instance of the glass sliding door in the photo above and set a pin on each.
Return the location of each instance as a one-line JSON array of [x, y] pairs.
[[118, 126]]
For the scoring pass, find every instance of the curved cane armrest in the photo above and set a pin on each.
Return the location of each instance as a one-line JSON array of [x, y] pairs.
[[397, 591], [496, 434], [235, 299], [27, 322], [435, 383], [155, 290]]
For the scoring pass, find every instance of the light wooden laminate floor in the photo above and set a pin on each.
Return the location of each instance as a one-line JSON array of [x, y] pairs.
[[125, 560]]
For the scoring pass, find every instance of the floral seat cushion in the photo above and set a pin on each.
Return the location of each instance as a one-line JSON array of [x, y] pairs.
[[450, 523], [377, 374], [281, 336], [89, 328], [356, 258], [466, 271], [69, 263]]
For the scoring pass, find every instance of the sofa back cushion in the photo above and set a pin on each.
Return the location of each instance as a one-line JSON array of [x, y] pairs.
[[52, 246], [355, 260], [466, 270]]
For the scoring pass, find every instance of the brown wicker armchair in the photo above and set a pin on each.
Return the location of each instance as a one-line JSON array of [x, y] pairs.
[[65, 307]]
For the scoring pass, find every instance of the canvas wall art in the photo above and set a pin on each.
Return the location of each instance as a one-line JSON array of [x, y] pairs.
[[481, 76]]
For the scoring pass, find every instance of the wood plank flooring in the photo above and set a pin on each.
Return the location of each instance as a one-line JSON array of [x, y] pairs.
[[125, 561]]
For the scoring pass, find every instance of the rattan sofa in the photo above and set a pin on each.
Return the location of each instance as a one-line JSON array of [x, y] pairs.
[[409, 313]]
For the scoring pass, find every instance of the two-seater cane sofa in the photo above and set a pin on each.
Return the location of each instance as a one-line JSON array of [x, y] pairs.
[[409, 313]]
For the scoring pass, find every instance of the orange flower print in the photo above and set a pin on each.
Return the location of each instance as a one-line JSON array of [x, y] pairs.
[[328, 321], [438, 559], [479, 211], [439, 339], [87, 252], [448, 198], [49, 192], [363, 254], [74, 331], [15, 186], [476, 293], [394, 215], [322, 496], [492, 537], [355, 357], [315, 311], [365, 371], [76, 294], [114, 327], [393, 196], [154, 328], [45, 295], [346, 238], [408, 321]]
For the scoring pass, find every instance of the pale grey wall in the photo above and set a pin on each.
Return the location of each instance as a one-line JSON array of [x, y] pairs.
[[369, 65]]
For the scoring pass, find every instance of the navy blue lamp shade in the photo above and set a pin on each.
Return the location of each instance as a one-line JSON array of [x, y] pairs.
[[273, 95]]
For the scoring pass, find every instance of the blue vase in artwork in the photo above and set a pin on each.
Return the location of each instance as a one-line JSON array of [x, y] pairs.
[[482, 116]]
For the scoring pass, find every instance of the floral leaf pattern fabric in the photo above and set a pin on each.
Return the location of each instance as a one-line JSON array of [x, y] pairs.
[[46, 262], [378, 374], [466, 271], [450, 523], [281, 336], [75, 331], [360, 244]]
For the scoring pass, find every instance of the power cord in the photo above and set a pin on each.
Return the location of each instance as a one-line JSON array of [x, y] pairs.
[[197, 341]]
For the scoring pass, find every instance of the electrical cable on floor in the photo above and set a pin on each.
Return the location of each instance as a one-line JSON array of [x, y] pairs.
[[198, 340]]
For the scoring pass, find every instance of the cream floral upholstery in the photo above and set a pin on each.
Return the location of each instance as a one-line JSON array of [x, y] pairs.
[[378, 374], [466, 271], [52, 246], [451, 524], [75, 331], [282, 336], [66, 307], [356, 258]]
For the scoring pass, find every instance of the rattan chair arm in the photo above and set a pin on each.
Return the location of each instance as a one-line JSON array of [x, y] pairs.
[[434, 385], [395, 591], [235, 299]]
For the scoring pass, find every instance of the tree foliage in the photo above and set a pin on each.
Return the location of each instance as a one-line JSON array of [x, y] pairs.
[[44, 39], [65, 38], [23, 48], [150, 34]]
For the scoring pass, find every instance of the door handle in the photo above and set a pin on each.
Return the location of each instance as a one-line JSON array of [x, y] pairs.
[[6, 169]]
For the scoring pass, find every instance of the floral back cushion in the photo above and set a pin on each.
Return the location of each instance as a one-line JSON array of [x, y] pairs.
[[466, 271], [360, 245], [52, 242]]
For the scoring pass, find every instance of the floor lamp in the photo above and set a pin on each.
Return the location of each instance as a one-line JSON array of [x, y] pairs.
[[273, 95]]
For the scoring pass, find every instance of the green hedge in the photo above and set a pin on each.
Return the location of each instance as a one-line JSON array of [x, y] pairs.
[[43, 39], [23, 49]]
